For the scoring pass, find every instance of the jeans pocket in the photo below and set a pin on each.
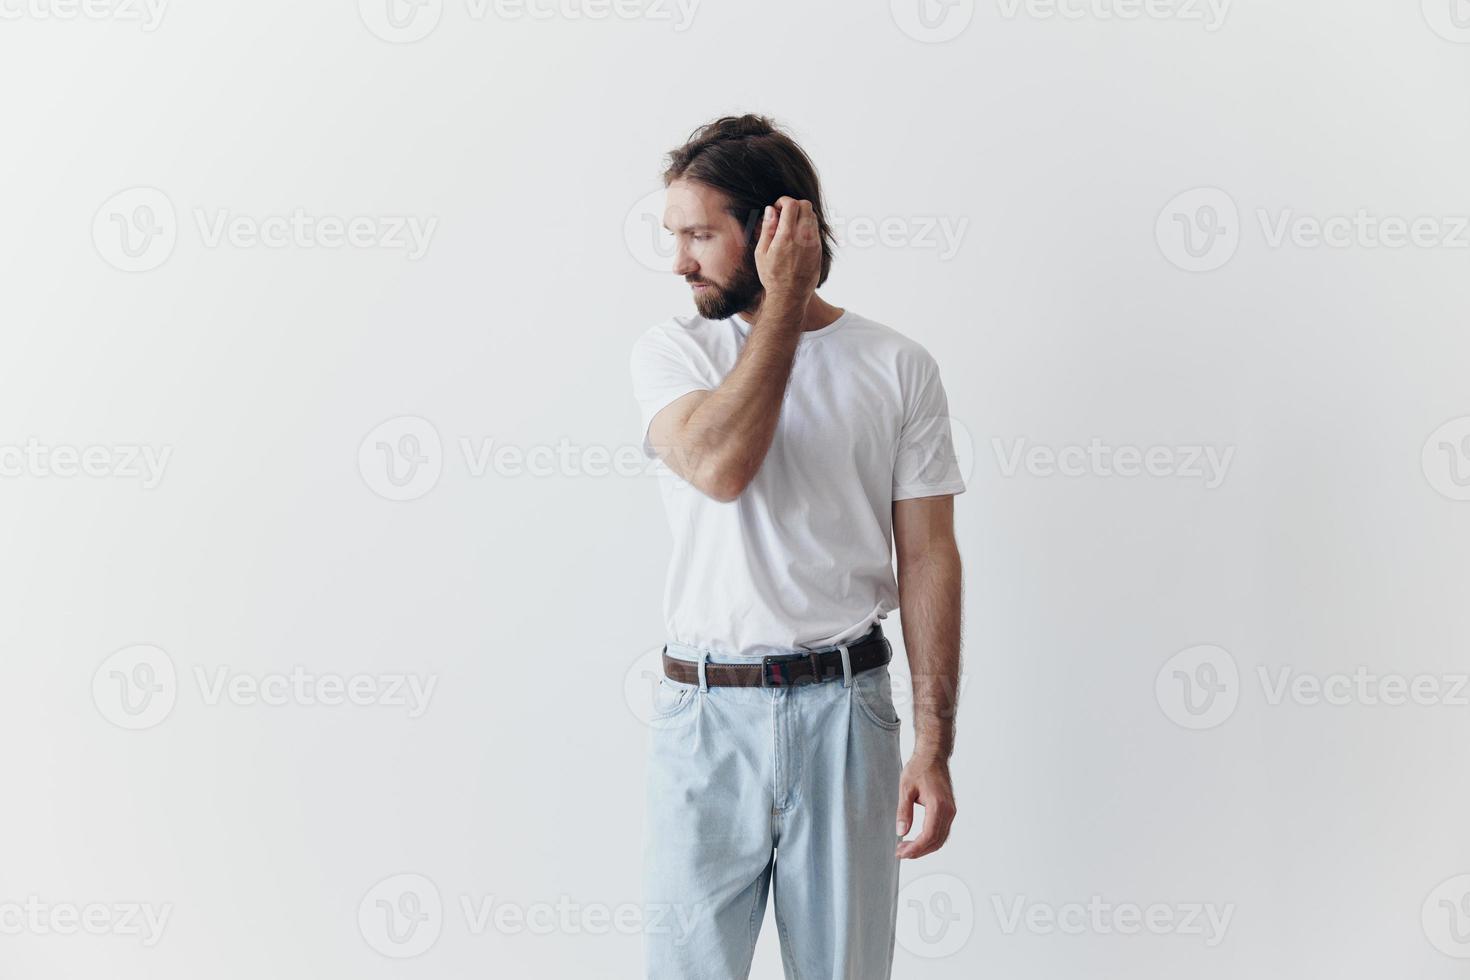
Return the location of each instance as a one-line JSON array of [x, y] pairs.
[[873, 692], [670, 698]]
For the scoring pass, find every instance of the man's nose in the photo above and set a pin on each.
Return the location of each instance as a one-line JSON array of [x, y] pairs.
[[684, 264]]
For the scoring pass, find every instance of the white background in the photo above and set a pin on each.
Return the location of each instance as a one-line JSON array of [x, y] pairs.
[[1060, 140]]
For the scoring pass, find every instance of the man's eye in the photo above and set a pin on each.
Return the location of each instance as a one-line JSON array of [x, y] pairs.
[[702, 238]]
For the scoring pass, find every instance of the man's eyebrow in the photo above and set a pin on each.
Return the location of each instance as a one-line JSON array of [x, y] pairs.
[[699, 227]]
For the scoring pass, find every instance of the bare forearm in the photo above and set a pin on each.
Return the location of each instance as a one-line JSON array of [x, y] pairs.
[[729, 433], [929, 589]]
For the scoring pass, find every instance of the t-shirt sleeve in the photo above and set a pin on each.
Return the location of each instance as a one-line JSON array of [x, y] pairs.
[[926, 464], [661, 373]]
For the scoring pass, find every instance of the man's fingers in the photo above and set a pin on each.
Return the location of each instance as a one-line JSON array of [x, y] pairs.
[[907, 796], [790, 214], [927, 842], [937, 819], [768, 230], [807, 229]]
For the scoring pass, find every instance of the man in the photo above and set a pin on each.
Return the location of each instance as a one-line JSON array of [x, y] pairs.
[[805, 442]]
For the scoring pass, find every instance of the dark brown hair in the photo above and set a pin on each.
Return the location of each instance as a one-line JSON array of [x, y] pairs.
[[752, 162]]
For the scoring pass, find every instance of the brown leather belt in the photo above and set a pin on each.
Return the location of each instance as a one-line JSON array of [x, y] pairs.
[[789, 670]]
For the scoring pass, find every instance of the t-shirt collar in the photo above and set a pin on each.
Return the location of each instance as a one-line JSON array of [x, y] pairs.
[[744, 326]]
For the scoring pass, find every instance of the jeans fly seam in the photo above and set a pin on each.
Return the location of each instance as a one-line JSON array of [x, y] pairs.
[[779, 802]]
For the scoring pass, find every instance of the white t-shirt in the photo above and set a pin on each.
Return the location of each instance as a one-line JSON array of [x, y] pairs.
[[803, 558]]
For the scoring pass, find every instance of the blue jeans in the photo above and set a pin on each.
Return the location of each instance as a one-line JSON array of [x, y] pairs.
[[790, 791]]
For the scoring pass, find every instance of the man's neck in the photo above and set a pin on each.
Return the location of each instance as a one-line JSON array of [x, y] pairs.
[[818, 314]]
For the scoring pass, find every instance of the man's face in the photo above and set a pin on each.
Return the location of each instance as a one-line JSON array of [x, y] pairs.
[[711, 252]]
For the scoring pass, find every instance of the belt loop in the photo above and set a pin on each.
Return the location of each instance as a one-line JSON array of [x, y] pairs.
[[846, 666], [703, 683]]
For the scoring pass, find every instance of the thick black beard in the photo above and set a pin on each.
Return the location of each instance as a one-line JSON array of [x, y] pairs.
[[741, 295]]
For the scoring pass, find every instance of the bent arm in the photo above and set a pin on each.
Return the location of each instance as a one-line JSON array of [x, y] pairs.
[[717, 440]]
